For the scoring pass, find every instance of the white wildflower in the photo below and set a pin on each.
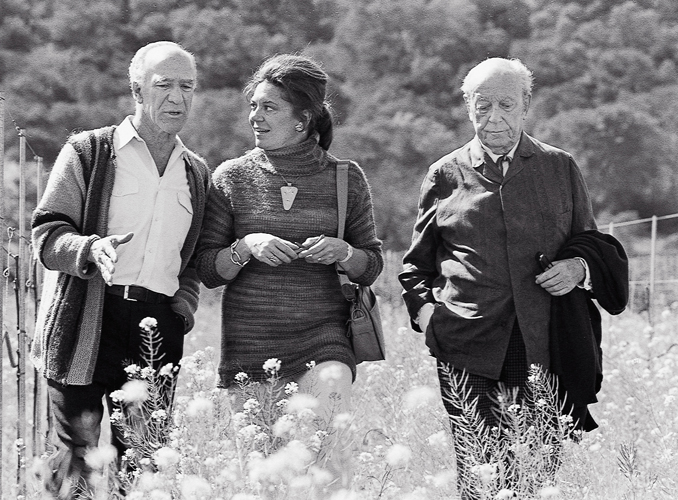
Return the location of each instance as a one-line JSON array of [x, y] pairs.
[[166, 457], [342, 421], [420, 396], [251, 406], [159, 415], [398, 455], [549, 492], [132, 369], [249, 431], [300, 401], [147, 372], [283, 425], [307, 415], [241, 377], [566, 420], [199, 406], [239, 420], [118, 396], [98, 458], [330, 374], [444, 479], [291, 388], [166, 371], [159, 495], [310, 365], [287, 462], [272, 366], [148, 324], [194, 488], [439, 439], [116, 416], [135, 391], [486, 472]]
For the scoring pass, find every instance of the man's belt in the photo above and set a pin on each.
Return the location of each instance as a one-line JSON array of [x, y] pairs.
[[137, 294]]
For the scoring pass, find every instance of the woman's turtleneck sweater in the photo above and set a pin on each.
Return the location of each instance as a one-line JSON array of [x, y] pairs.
[[293, 312]]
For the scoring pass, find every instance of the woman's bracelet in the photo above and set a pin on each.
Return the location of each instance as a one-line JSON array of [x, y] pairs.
[[235, 256], [349, 254]]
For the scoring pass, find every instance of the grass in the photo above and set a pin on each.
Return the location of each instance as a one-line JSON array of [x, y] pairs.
[[401, 444]]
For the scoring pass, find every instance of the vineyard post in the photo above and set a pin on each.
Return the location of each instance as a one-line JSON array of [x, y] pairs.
[[21, 281], [653, 255], [36, 278], [2, 239]]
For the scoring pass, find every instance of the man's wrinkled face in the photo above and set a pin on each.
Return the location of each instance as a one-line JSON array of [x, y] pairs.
[[167, 90], [497, 110]]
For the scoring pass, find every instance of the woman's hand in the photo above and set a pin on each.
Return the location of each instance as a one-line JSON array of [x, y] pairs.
[[270, 249], [323, 250]]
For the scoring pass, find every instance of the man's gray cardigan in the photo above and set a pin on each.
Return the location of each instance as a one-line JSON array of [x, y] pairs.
[[72, 214]]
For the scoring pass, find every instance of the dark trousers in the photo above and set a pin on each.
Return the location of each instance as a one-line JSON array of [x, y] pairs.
[[77, 410], [513, 375]]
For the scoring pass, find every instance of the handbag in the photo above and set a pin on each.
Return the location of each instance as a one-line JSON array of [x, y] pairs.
[[365, 330]]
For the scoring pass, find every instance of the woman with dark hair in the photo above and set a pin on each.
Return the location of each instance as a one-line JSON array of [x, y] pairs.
[[269, 236]]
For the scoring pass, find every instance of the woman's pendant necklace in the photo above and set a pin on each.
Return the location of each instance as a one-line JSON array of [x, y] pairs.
[[288, 193]]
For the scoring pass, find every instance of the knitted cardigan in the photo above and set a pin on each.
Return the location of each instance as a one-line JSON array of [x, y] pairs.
[[294, 312], [72, 214]]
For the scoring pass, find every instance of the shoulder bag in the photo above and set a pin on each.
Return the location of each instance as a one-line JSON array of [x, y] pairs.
[[364, 325]]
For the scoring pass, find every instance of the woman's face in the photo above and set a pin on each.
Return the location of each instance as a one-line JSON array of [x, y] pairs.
[[272, 118]]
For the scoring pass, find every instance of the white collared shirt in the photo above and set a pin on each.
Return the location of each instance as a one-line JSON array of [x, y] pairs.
[[495, 157], [156, 209]]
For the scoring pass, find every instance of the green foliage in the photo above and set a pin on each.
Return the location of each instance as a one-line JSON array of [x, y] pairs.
[[605, 80]]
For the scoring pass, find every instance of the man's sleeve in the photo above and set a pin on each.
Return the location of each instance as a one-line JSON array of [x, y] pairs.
[[582, 210], [419, 262], [57, 240], [185, 300]]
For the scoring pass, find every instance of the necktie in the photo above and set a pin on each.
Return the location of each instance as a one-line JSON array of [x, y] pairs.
[[500, 163]]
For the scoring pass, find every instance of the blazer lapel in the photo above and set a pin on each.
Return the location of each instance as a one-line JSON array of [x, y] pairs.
[[483, 164], [525, 150]]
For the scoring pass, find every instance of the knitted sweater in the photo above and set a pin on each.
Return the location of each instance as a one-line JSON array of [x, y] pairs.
[[294, 312], [66, 342]]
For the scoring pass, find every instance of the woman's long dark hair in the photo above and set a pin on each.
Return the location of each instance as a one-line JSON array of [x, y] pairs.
[[304, 86]]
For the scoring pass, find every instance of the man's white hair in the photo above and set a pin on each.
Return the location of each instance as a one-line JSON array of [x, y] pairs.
[[500, 65], [137, 66]]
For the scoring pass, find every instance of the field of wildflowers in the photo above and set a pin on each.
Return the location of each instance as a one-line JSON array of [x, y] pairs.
[[397, 436]]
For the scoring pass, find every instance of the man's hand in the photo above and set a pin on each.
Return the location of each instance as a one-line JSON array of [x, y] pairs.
[[103, 254], [561, 277], [424, 317]]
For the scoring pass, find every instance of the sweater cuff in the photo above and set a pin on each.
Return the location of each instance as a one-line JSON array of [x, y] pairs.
[[208, 269], [86, 269]]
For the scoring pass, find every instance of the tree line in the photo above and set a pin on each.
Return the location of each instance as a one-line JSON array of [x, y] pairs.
[[606, 81]]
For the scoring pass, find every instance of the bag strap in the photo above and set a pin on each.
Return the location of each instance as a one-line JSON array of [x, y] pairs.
[[347, 287], [342, 195]]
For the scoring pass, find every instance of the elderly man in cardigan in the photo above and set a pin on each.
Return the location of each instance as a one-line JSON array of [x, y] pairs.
[[116, 229], [471, 281]]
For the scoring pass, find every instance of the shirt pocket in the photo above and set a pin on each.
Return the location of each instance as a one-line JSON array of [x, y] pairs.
[[125, 186], [184, 200]]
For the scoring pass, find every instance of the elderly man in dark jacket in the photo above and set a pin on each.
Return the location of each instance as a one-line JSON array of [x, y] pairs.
[[471, 281]]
